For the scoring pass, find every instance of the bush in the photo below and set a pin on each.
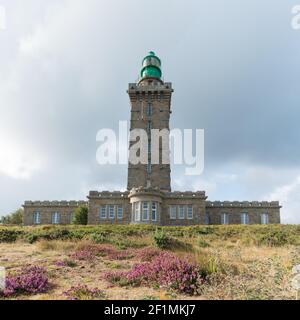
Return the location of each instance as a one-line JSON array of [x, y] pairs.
[[273, 238], [165, 270], [30, 280], [82, 292], [81, 216], [202, 243], [99, 237], [8, 236], [161, 239]]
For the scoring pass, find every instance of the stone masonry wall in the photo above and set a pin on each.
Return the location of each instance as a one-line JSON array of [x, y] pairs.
[[98, 199], [254, 210], [196, 199], [47, 208], [159, 96]]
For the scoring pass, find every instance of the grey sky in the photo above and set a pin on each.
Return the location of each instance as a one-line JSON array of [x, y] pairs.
[[65, 66]]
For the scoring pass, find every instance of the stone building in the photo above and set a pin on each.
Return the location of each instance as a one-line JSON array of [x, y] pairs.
[[149, 199]]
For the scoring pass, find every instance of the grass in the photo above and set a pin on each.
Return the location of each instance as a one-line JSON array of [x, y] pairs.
[[238, 262]]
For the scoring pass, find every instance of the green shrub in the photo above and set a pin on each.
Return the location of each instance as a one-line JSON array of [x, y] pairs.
[[161, 239], [81, 216], [99, 237], [202, 243], [31, 238], [273, 238], [7, 235]]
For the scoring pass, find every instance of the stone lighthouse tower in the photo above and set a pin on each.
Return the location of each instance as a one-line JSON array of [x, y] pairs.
[[150, 101]]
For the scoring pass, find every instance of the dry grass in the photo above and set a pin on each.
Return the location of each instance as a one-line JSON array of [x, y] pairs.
[[235, 270]]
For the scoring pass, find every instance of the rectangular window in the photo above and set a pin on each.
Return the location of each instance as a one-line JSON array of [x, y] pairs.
[[154, 211], [145, 211], [120, 212], [264, 218], [173, 212], [71, 216], [149, 109], [36, 218], [103, 214], [244, 218], [55, 218], [111, 211], [137, 211], [190, 212], [224, 218], [181, 212], [207, 218]]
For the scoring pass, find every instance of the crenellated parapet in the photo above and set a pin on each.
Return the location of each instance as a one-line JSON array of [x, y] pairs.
[[242, 204], [186, 195], [107, 194], [63, 203]]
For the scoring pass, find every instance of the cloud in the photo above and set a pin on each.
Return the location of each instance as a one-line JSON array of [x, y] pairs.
[[65, 66], [18, 162], [289, 198]]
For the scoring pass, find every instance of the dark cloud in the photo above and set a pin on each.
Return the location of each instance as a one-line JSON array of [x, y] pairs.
[[65, 69]]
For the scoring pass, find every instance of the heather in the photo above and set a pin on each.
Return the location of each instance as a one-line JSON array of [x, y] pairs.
[[83, 292], [30, 280], [166, 270], [208, 262]]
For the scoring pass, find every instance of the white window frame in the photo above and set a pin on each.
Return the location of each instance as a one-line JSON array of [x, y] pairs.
[[111, 213], [264, 218], [181, 214], [145, 210], [224, 218], [137, 211], [119, 212], [173, 212], [36, 217], [103, 212], [244, 218], [154, 210], [55, 218], [190, 212]]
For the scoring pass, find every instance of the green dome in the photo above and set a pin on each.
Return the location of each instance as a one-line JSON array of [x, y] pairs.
[[151, 67]]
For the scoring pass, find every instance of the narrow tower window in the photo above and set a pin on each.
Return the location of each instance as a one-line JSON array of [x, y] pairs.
[[149, 109]]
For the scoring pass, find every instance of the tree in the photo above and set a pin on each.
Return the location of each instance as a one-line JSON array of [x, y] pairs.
[[81, 216], [15, 217]]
